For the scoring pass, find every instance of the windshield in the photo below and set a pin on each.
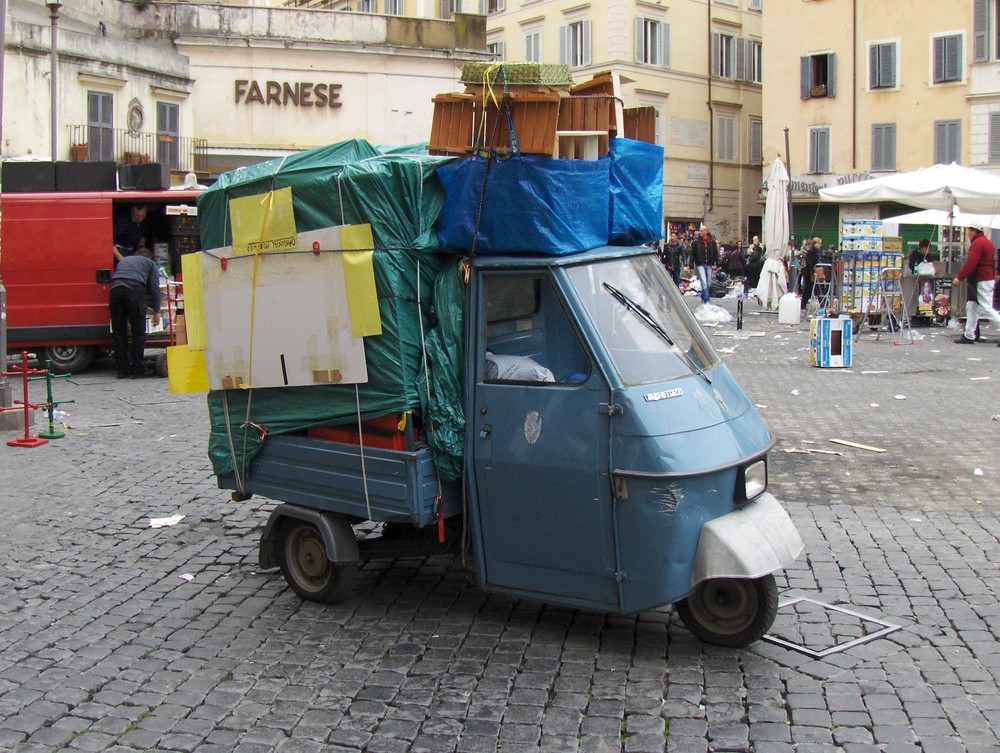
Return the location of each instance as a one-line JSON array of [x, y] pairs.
[[642, 321]]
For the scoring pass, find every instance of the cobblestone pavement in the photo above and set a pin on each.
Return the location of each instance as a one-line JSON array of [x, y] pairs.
[[117, 636]]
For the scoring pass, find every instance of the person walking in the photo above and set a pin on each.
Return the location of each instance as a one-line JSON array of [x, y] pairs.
[[809, 270], [705, 254], [979, 271], [134, 278], [672, 253]]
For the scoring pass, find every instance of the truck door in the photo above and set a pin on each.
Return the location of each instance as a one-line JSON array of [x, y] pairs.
[[540, 438]]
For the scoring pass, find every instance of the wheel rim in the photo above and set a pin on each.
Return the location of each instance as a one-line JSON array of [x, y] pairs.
[[305, 556], [726, 606]]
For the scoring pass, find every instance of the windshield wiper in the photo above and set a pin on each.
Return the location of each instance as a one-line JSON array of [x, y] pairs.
[[654, 325]]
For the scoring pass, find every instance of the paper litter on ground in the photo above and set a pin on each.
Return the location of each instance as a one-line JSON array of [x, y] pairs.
[[163, 522], [858, 446]]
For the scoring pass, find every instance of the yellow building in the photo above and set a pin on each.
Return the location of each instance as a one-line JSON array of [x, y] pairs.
[[697, 62], [866, 88]]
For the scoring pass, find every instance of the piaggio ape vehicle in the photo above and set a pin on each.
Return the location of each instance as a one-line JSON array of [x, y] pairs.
[[612, 463]]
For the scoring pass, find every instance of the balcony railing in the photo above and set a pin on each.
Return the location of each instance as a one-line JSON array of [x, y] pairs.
[[96, 144]]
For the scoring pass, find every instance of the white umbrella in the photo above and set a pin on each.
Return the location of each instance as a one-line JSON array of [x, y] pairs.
[[939, 217], [775, 228], [773, 281], [935, 187]]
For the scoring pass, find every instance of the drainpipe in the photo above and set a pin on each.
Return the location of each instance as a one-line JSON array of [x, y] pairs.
[[854, 88], [711, 119]]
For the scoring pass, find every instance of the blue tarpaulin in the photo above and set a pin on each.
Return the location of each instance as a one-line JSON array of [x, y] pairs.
[[636, 211], [530, 204]]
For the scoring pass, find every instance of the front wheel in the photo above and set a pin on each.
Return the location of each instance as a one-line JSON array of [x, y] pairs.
[[732, 612], [304, 564], [67, 359]]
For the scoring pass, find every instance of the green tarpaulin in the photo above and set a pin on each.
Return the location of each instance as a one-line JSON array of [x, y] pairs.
[[350, 183]]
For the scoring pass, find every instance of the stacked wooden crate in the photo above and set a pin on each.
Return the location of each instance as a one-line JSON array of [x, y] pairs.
[[551, 116]]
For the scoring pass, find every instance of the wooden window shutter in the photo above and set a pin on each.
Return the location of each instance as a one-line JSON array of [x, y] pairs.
[[831, 74], [716, 52], [586, 42], [994, 137], [564, 53], [740, 74], [640, 40], [980, 31], [665, 45], [805, 80]]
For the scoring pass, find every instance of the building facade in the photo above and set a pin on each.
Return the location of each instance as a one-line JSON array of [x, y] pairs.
[[697, 62], [210, 87], [903, 84]]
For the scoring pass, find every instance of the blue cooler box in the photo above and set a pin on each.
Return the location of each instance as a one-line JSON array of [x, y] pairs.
[[830, 342]]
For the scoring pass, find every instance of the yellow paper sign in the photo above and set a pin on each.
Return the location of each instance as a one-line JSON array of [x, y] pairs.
[[359, 274], [194, 302], [263, 223], [186, 370]]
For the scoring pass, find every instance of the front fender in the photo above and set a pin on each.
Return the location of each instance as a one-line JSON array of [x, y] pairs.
[[750, 542]]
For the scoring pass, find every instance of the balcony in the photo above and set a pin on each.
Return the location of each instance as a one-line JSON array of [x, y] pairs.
[[95, 144]]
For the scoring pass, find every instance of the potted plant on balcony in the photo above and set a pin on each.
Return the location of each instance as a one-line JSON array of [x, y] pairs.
[[78, 152], [135, 158]]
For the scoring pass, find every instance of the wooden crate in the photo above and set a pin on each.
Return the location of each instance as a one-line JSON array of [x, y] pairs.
[[640, 124], [589, 112], [535, 116], [452, 127]]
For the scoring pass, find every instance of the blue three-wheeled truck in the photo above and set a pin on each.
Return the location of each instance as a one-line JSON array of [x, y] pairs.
[[611, 461]]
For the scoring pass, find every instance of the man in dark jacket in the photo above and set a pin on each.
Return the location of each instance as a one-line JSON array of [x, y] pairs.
[[809, 270], [134, 278], [672, 252], [705, 254]]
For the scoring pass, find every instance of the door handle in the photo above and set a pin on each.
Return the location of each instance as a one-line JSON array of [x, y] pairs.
[[485, 431]]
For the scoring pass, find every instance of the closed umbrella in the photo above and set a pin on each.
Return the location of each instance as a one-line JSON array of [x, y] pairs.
[[773, 277]]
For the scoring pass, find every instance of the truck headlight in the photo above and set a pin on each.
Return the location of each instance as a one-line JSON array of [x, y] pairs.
[[751, 481]]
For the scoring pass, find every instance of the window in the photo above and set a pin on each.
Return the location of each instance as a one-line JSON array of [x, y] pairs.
[[652, 42], [491, 6], [882, 66], [754, 65], [947, 58], [723, 55], [818, 75], [756, 145], [725, 138], [994, 137], [756, 4], [819, 150], [496, 49], [947, 141], [100, 133], [394, 7], [366, 6], [574, 43], [168, 135], [884, 146], [533, 46], [447, 7]]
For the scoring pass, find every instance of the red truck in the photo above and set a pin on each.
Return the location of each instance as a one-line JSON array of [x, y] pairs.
[[56, 260]]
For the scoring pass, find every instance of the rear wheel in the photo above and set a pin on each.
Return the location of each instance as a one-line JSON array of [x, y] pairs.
[[731, 612], [67, 359], [304, 564]]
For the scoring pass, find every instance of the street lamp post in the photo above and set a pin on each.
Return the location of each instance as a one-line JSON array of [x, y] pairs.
[[54, 6]]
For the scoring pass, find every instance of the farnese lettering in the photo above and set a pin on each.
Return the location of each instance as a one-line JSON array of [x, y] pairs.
[[284, 93]]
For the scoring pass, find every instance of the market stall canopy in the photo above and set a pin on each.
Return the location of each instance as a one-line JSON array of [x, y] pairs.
[[941, 218], [935, 187]]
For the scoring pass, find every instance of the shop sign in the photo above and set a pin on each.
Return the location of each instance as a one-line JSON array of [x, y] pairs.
[[811, 184], [284, 93]]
